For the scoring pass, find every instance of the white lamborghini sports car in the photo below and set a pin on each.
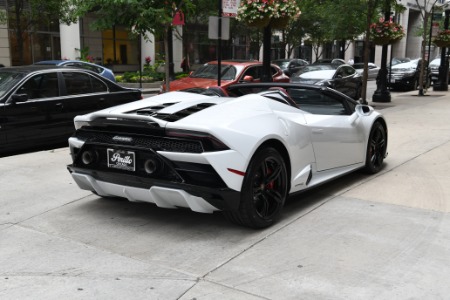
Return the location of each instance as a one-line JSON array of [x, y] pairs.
[[241, 154]]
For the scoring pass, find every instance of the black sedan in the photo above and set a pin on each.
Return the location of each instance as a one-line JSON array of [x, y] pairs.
[[38, 103], [342, 78]]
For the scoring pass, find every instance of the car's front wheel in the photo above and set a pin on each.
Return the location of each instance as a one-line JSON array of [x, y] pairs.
[[264, 190], [376, 148]]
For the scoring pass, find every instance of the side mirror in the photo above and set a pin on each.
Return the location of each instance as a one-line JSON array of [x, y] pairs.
[[19, 98]]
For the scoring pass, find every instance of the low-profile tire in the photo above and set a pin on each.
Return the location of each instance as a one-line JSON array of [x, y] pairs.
[[415, 85], [376, 148], [264, 190]]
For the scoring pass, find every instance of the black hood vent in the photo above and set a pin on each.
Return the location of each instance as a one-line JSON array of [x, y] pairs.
[[183, 113], [150, 111]]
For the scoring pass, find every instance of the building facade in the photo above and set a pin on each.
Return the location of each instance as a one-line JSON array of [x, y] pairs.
[[121, 51]]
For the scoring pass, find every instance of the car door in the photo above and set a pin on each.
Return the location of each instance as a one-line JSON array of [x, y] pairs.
[[27, 118], [338, 81], [337, 139], [86, 93], [345, 81], [255, 72]]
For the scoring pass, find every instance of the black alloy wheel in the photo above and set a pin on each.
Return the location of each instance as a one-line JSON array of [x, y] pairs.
[[376, 148], [415, 84], [264, 190]]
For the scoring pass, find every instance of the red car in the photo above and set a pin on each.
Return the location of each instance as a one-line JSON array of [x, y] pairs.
[[232, 72]]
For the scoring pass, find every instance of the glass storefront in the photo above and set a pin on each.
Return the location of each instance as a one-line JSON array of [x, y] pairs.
[[43, 43]]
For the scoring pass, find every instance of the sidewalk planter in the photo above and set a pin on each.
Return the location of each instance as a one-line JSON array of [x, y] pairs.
[[137, 85]]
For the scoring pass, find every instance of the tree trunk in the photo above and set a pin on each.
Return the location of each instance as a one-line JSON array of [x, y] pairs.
[[422, 65]]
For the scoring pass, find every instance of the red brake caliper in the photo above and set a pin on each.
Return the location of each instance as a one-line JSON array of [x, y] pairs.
[[270, 184]]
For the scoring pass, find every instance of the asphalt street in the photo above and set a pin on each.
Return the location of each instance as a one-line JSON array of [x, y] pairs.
[[385, 236]]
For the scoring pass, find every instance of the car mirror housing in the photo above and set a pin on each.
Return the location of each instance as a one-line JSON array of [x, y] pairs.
[[19, 98]]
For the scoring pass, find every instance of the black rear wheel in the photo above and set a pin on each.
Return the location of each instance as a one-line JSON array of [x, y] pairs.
[[264, 190]]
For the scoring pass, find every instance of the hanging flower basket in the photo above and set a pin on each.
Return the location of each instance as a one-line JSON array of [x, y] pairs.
[[258, 22], [262, 13], [385, 32], [442, 39], [279, 23], [381, 40], [395, 40], [441, 43]]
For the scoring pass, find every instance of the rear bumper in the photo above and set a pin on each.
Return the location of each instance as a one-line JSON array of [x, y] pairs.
[[164, 194]]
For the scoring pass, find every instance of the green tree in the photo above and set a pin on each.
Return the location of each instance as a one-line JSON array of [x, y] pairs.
[[140, 16], [325, 21], [25, 16], [426, 9]]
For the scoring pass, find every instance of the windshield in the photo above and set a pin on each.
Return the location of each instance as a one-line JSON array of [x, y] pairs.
[[283, 64], [436, 61], [210, 72], [311, 68], [407, 65], [396, 60], [358, 66], [8, 80]]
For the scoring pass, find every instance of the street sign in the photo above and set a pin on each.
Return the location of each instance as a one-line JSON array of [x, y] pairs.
[[435, 29], [213, 29], [230, 7]]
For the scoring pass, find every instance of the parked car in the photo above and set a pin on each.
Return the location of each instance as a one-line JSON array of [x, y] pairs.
[[38, 103], [105, 72], [343, 78], [232, 72], [372, 70], [434, 70], [406, 75], [243, 156], [290, 66]]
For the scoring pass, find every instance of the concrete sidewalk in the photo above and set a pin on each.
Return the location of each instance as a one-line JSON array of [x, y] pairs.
[[361, 237]]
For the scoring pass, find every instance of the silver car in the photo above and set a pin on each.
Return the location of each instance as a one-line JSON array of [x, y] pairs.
[[372, 70]]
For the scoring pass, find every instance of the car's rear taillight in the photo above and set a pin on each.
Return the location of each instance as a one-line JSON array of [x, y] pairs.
[[209, 142]]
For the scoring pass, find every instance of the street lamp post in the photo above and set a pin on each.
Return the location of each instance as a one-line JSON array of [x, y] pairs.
[[442, 83], [267, 45], [382, 94]]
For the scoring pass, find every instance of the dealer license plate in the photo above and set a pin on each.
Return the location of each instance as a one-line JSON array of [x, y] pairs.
[[121, 159]]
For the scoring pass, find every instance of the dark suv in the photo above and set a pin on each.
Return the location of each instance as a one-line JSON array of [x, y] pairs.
[[434, 70], [406, 75]]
